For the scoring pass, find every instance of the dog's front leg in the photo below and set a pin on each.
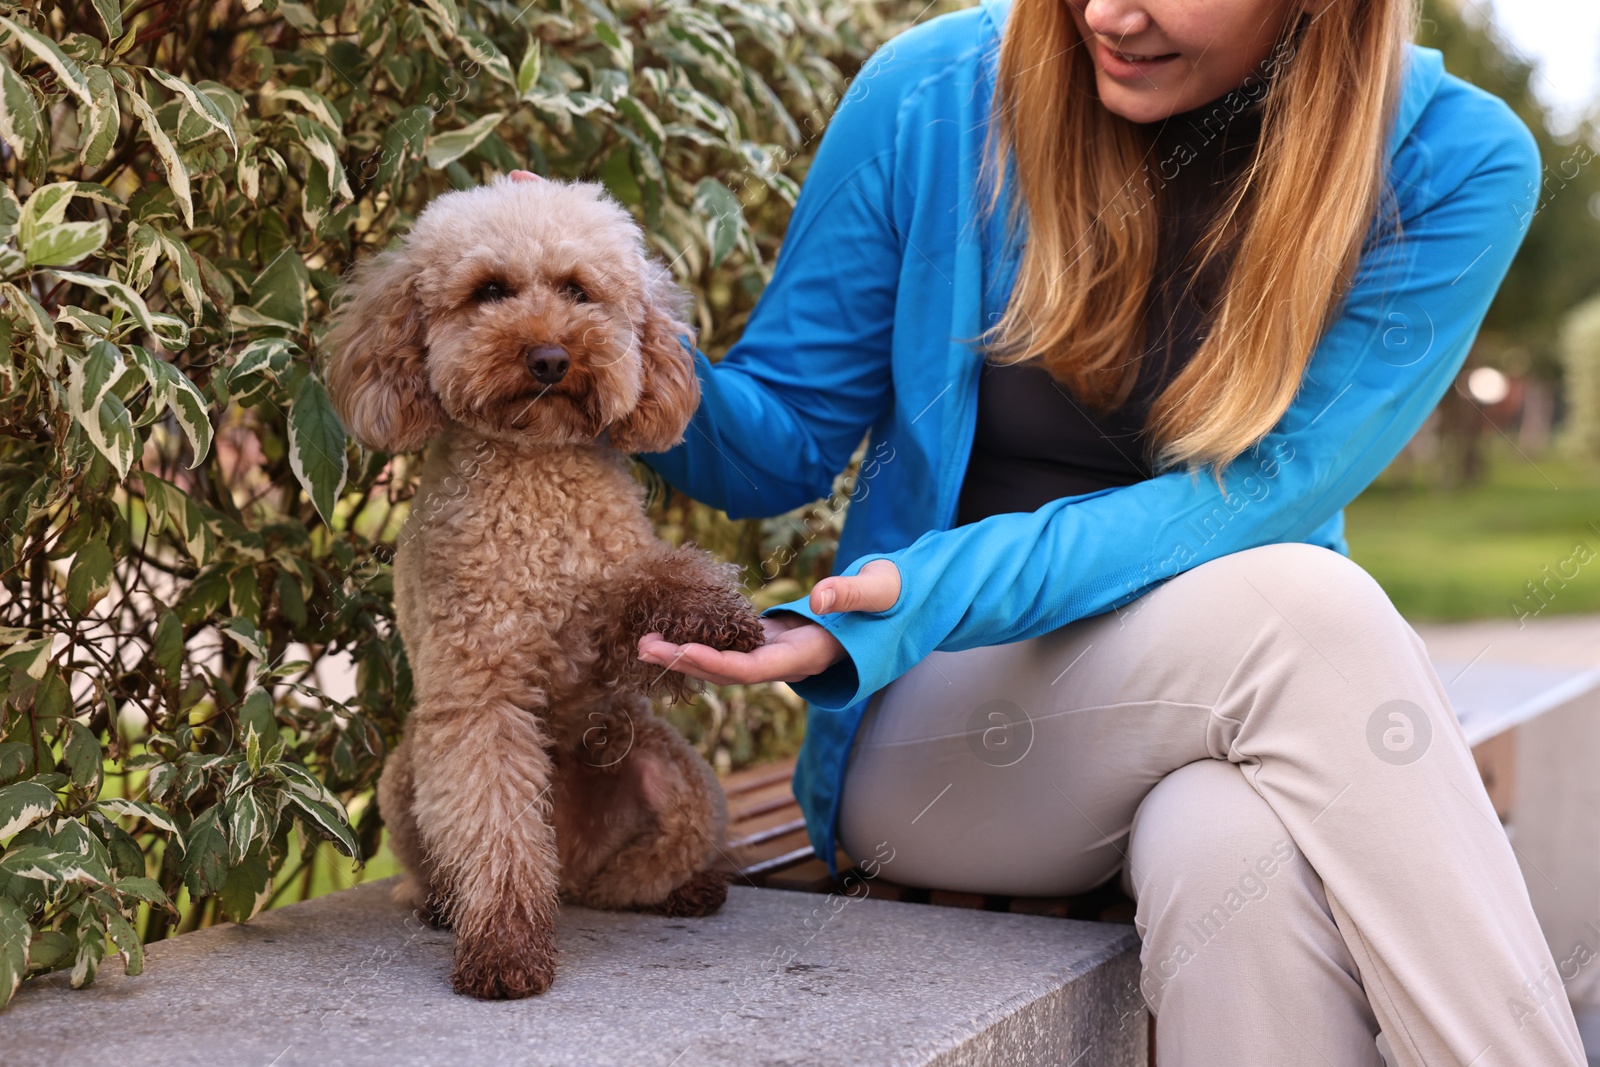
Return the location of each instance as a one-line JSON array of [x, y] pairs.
[[483, 803]]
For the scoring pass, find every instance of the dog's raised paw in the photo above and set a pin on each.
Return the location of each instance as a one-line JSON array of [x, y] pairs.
[[729, 627], [703, 894], [744, 633]]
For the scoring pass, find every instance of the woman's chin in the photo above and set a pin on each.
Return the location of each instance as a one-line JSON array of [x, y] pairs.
[[1144, 101], [1132, 103]]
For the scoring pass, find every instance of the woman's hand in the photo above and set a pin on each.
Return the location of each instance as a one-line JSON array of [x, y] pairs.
[[796, 647]]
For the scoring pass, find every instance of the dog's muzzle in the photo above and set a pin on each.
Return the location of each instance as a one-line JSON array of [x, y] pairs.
[[547, 363]]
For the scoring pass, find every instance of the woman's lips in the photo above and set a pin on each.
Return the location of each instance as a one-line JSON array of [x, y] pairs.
[[1126, 65]]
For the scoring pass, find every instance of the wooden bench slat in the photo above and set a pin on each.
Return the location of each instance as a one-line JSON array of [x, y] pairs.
[[783, 862], [951, 899], [757, 855], [752, 778], [761, 802], [1056, 907], [756, 837]]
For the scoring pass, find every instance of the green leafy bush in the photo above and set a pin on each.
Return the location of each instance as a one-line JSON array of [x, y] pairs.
[[198, 666]]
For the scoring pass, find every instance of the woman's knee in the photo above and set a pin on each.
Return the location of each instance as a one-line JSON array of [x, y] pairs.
[[1300, 593], [1302, 577]]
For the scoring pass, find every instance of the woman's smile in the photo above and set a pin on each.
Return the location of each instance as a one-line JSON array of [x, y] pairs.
[[1129, 64], [1156, 58]]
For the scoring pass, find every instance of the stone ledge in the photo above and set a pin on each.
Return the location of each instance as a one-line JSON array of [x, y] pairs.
[[775, 978]]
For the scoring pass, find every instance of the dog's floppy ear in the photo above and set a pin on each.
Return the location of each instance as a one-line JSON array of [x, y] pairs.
[[375, 371], [670, 392]]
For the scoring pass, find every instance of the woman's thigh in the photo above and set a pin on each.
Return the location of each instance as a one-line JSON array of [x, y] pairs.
[[1017, 768]]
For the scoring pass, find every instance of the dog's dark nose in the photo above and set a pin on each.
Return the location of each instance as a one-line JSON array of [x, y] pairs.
[[547, 363]]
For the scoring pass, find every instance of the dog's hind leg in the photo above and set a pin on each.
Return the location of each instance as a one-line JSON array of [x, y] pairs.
[[482, 801], [640, 818], [396, 789]]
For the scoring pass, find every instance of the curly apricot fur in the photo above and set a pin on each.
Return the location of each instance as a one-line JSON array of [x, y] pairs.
[[533, 770]]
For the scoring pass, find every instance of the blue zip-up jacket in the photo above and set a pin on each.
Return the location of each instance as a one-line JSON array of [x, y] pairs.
[[889, 268]]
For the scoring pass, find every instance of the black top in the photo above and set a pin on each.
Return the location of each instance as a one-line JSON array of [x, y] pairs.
[[1035, 442]]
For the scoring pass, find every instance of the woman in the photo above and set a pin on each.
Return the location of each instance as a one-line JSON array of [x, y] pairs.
[[1131, 298]]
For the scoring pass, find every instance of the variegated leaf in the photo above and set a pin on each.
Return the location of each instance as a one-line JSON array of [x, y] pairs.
[[316, 105], [66, 243], [188, 406], [67, 69], [446, 148], [20, 124], [119, 294], [203, 106], [177, 174], [317, 446], [99, 411], [22, 804], [16, 935], [10, 213], [47, 206], [138, 809], [244, 632], [100, 119], [38, 320], [91, 950], [326, 822], [188, 272], [248, 823], [126, 939], [29, 657]]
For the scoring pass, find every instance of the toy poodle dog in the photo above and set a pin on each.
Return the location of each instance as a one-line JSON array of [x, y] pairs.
[[523, 334]]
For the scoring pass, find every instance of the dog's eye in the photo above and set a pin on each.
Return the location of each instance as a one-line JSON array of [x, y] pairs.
[[491, 291], [573, 291]]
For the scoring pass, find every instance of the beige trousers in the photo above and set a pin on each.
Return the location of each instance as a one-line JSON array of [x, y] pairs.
[[1262, 751]]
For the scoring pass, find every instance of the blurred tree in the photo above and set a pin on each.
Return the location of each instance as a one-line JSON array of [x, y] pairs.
[[1559, 265], [1580, 356]]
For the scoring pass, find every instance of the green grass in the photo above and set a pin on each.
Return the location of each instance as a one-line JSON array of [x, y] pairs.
[[1469, 553]]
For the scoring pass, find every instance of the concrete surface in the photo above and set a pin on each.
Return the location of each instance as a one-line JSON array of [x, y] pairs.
[[1555, 640], [774, 978]]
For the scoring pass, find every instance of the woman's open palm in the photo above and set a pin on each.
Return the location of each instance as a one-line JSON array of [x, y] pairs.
[[796, 647]]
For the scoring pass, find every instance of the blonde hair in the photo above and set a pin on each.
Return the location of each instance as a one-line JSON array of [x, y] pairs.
[[1294, 222]]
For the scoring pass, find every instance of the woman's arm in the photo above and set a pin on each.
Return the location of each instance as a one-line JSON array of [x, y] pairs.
[[781, 413], [1379, 371]]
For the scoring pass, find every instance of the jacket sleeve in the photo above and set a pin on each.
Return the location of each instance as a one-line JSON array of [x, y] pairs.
[[781, 413], [1379, 370]]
